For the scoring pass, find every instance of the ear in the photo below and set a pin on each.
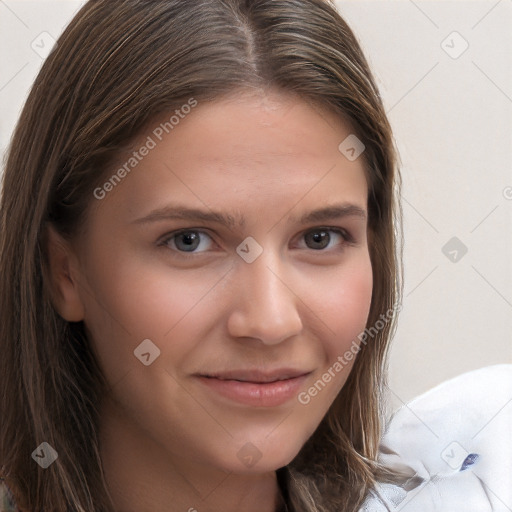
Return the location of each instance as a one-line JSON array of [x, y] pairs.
[[65, 288]]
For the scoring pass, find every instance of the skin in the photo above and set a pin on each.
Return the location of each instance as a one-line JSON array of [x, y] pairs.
[[168, 442]]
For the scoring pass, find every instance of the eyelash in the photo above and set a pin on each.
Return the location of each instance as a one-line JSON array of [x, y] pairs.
[[348, 240]]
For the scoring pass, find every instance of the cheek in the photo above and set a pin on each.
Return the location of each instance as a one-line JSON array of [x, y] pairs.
[[346, 297], [129, 302], [344, 306]]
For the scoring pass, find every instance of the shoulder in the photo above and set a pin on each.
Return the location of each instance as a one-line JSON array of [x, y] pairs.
[[6, 499], [452, 446]]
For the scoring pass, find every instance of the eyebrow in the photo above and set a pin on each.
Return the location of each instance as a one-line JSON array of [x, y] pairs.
[[176, 212]]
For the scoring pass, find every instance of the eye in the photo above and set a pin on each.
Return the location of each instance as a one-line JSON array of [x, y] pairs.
[[324, 238], [188, 241]]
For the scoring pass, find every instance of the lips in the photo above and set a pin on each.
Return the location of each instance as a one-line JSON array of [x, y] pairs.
[[255, 388], [258, 376]]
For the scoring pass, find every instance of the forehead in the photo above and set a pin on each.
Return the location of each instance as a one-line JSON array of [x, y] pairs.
[[250, 149]]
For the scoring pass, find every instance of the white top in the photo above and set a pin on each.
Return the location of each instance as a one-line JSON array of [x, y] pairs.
[[454, 444]]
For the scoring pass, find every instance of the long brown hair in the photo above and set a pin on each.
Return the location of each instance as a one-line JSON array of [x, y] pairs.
[[118, 65]]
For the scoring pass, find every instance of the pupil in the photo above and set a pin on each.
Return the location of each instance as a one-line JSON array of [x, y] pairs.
[[187, 241], [319, 239]]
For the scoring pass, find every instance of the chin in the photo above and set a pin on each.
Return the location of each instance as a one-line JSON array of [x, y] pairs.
[[263, 455]]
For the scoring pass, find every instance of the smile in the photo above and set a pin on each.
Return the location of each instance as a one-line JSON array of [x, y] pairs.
[[256, 389]]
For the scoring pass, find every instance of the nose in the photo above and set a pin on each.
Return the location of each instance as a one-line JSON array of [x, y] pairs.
[[265, 306]]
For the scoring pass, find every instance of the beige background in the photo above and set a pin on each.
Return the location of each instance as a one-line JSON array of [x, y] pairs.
[[451, 112]]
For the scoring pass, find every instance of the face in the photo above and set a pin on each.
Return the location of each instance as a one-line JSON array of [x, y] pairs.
[[222, 278]]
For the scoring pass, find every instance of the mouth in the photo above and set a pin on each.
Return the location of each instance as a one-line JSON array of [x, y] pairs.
[[257, 376], [256, 388]]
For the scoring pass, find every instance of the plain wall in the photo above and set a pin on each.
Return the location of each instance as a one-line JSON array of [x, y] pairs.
[[451, 116]]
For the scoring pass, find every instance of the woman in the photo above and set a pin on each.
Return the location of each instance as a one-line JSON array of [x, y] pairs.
[[198, 263]]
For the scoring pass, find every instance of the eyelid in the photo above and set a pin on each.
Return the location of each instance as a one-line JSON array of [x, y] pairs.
[[337, 229]]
